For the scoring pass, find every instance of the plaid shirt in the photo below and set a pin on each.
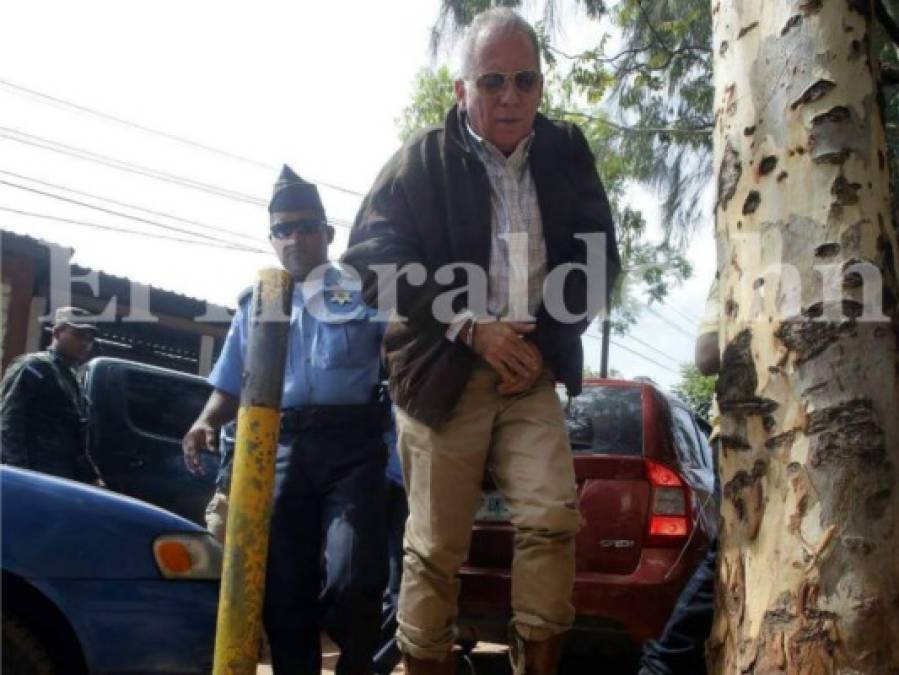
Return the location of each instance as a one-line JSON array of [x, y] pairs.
[[518, 250]]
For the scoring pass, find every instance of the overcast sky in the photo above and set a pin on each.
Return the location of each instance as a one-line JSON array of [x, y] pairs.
[[316, 85]]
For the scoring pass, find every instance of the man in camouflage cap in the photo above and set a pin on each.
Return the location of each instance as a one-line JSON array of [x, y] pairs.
[[43, 418]]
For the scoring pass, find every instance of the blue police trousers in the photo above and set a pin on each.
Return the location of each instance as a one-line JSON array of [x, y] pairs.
[[327, 553], [680, 650]]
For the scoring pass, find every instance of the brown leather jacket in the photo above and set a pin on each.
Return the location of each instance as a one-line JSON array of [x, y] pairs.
[[431, 205]]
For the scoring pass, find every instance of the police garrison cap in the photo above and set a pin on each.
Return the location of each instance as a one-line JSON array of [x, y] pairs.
[[292, 195]]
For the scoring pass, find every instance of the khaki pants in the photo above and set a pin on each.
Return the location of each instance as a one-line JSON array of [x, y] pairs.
[[522, 440]]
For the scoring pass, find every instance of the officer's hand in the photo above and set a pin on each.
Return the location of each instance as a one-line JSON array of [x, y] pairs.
[[501, 344], [522, 384], [201, 436]]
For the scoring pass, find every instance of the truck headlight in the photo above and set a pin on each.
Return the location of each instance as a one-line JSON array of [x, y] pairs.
[[188, 556]]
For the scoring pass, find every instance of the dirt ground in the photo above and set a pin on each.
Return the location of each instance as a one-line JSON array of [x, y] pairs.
[[489, 659], [493, 659]]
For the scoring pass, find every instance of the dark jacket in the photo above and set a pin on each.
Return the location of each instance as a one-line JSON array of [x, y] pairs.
[[43, 418], [431, 205]]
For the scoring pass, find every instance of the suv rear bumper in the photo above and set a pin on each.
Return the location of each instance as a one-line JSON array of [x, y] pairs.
[[609, 607]]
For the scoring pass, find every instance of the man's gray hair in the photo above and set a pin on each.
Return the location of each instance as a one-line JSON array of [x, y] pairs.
[[496, 20]]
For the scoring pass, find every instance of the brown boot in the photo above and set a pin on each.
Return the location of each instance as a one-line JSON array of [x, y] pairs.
[[414, 666], [536, 658]]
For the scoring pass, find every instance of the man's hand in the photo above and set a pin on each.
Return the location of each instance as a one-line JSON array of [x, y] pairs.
[[502, 345], [523, 384], [201, 436]]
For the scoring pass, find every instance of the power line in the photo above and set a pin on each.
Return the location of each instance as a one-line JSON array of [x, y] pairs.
[[60, 102], [122, 165], [135, 207], [692, 319], [677, 327], [649, 346], [643, 356], [690, 324], [124, 230], [634, 352], [123, 215], [149, 172]]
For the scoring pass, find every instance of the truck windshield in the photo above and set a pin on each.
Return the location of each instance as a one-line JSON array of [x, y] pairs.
[[606, 420]]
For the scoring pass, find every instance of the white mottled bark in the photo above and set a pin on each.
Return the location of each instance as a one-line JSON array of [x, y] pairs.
[[808, 577]]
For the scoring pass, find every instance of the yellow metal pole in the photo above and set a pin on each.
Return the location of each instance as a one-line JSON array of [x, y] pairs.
[[253, 477]]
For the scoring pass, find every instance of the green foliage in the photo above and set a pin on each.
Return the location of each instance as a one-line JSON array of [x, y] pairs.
[[432, 97], [696, 389], [888, 57], [664, 87]]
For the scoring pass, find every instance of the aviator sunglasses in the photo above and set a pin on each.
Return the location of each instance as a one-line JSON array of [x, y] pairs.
[[493, 83], [285, 230]]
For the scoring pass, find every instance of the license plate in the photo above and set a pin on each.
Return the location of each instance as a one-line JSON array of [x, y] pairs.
[[493, 507]]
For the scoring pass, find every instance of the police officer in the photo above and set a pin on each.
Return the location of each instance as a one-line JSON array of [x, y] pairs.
[[326, 563], [43, 419]]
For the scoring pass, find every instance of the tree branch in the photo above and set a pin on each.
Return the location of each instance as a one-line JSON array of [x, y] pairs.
[[649, 25], [633, 51], [698, 130]]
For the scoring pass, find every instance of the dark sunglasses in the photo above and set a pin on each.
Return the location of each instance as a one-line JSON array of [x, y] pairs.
[[493, 83], [285, 230]]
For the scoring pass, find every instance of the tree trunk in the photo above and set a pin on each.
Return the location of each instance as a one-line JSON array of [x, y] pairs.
[[808, 576]]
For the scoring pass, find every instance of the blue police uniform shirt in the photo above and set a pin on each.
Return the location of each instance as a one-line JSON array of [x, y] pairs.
[[333, 355]]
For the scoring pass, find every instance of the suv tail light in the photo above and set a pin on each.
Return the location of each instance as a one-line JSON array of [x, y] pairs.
[[669, 519]]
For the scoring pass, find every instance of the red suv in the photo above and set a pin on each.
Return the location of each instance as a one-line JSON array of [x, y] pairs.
[[645, 481]]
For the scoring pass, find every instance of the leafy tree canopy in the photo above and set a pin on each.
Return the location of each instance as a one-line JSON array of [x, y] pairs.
[[696, 389]]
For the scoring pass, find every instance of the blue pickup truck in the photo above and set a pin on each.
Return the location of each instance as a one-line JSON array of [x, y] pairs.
[[99, 582], [138, 415]]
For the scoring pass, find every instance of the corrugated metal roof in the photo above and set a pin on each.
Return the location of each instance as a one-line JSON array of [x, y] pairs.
[[161, 300]]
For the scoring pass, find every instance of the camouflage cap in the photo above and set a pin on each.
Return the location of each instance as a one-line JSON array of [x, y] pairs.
[[73, 317]]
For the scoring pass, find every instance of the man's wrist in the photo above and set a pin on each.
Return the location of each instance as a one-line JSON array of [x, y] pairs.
[[466, 336], [456, 326]]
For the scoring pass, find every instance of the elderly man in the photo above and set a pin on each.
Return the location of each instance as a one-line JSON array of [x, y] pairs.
[[512, 194], [326, 562], [43, 418]]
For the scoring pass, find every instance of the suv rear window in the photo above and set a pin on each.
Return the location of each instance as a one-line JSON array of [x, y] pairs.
[[606, 420], [164, 406]]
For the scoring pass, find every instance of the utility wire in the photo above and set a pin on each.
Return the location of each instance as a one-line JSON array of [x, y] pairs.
[[56, 146], [135, 207], [631, 336], [677, 327], [691, 319], [643, 356], [121, 214], [122, 165], [124, 230], [60, 102], [634, 352]]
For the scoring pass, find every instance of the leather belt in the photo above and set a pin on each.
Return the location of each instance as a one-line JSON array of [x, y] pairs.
[[349, 418]]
